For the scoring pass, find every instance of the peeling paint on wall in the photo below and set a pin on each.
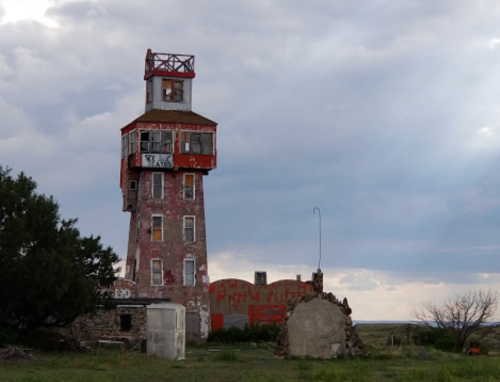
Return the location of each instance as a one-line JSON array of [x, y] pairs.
[[259, 303]]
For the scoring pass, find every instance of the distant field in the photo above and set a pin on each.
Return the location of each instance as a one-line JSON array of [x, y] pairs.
[[257, 363], [377, 335]]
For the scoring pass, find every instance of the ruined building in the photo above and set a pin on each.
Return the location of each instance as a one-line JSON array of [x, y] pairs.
[[165, 154]]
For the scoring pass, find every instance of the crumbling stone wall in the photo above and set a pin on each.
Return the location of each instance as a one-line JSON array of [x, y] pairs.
[[106, 324], [318, 325]]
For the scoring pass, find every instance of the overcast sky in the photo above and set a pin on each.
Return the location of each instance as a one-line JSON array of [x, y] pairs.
[[384, 114]]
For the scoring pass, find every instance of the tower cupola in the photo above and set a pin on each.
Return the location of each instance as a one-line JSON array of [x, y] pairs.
[[168, 79]]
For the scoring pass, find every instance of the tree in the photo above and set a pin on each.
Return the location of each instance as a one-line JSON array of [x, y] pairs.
[[49, 273], [462, 315]]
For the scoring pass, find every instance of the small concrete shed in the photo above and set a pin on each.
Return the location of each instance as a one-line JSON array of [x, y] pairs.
[[166, 331]]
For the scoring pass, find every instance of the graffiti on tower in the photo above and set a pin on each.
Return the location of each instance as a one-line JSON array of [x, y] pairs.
[[157, 160]]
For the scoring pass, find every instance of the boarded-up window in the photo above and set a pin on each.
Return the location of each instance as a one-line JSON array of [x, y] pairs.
[[172, 90], [189, 229], [189, 186], [157, 185], [156, 272], [192, 325], [149, 91], [189, 274], [157, 228], [197, 143], [156, 141]]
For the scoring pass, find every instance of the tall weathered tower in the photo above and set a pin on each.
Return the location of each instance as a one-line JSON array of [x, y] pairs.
[[165, 153]]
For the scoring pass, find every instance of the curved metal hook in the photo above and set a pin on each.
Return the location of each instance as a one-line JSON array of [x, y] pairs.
[[319, 213]]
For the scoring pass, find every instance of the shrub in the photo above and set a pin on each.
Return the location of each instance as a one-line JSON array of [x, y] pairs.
[[254, 333], [438, 338]]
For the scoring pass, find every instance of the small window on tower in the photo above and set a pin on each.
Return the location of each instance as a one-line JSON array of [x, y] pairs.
[[189, 273], [157, 228], [132, 185], [131, 142], [124, 146], [156, 272], [157, 185], [172, 90], [149, 91], [189, 229], [189, 186], [145, 141], [197, 143]]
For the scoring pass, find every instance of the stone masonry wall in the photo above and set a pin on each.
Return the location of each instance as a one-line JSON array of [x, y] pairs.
[[106, 324], [349, 344]]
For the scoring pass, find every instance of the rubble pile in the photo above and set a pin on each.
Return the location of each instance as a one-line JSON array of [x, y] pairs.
[[15, 354]]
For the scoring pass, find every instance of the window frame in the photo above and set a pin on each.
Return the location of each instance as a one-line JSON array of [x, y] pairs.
[[132, 142], [132, 182], [149, 91], [153, 227], [176, 93], [153, 186], [161, 272], [185, 228], [184, 272], [186, 188], [125, 322], [124, 146], [186, 146], [166, 140]]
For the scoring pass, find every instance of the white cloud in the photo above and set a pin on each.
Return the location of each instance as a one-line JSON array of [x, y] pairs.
[[26, 10], [494, 43]]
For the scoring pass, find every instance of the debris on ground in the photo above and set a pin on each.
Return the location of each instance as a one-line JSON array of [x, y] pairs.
[[15, 354]]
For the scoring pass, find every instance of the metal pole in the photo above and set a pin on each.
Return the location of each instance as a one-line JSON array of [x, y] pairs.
[[319, 213]]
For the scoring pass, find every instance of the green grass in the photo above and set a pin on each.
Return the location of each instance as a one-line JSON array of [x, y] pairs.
[[254, 365], [245, 364]]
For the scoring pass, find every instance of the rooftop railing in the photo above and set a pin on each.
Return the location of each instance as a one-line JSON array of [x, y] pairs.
[[169, 62]]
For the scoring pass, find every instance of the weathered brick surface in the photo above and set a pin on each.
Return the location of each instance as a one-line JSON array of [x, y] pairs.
[[233, 299], [106, 324]]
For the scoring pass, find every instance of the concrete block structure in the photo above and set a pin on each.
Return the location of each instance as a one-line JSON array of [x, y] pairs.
[[165, 154], [166, 331]]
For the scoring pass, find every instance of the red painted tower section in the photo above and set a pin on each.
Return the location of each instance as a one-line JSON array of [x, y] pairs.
[[165, 154]]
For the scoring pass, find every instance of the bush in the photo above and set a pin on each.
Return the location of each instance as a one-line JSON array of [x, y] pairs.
[[253, 333], [438, 338]]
